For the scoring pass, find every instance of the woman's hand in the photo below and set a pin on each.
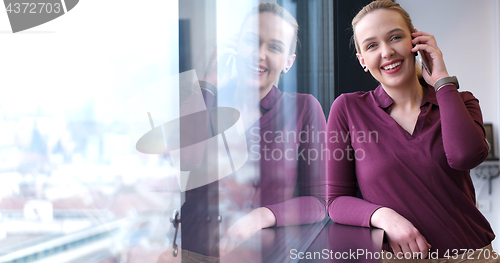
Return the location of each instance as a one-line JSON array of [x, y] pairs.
[[245, 228], [222, 62], [427, 43], [401, 234]]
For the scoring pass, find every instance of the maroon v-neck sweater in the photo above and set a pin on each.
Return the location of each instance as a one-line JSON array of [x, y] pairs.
[[423, 176]]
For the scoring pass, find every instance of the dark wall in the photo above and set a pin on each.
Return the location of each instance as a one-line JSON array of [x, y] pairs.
[[315, 54], [185, 57], [349, 76], [326, 62], [200, 210]]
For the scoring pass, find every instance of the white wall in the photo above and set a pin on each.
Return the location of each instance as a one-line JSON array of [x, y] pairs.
[[467, 32]]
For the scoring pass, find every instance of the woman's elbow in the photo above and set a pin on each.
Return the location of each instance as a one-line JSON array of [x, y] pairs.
[[469, 159], [330, 208]]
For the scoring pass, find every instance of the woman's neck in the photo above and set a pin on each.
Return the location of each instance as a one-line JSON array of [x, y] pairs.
[[243, 88], [264, 91], [408, 96], [247, 102]]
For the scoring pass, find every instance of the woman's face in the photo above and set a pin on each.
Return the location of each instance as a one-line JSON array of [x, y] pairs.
[[385, 47], [264, 49]]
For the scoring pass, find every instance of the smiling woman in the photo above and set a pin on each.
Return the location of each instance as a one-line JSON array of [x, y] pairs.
[[266, 192], [415, 181], [265, 50]]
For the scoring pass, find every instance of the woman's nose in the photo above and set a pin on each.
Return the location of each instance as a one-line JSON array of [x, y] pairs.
[[261, 52], [387, 51]]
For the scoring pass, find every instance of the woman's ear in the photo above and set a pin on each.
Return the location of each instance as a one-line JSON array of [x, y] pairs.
[[289, 63], [361, 61]]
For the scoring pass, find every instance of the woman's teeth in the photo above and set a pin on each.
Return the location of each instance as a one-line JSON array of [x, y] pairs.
[[392, 65], [258, 69]]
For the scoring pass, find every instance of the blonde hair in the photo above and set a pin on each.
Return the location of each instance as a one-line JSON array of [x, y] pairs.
[[283, 13], [389, 5]]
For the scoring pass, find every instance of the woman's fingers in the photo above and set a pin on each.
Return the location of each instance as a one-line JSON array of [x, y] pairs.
[[427, 44], [417, 248], [423, 246], [241, 230], [425, 40], [407, 251], [420, 33], [227, 243], [231, 42], [396, 249], [414, 250], [221, 60], [405, 240], [223, 243], [223, 249], [431, 55], [420, 37]]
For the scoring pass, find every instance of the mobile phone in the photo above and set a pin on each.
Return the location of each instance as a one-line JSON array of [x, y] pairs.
[[423, 61]]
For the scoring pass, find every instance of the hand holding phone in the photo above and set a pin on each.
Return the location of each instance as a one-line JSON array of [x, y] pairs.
[[430, 56], [423, 61], [221, 67]]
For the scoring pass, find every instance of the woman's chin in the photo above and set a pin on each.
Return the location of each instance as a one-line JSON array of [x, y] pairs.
[[250, 81]]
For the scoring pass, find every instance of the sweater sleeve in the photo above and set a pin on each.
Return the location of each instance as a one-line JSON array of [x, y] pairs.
[[462, 128], [343, 205], [310, 204]]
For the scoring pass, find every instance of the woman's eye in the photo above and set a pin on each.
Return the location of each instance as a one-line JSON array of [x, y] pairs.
[[395, 38], [250, 40], [275, 48], [370, 46]]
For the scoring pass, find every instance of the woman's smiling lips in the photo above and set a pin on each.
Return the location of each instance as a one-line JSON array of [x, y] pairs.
[[392, 66], [259, 69]]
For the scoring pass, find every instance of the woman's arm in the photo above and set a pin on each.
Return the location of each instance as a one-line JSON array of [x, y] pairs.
[[461, 120], [310, 206], [462, 127], [343, 205]]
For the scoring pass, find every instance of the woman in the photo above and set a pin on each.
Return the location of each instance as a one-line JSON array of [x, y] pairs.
[[279, 126], [412, 142]]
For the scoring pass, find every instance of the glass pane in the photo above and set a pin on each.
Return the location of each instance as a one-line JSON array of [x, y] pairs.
[[245, 58], [75, 97], [98, 149]]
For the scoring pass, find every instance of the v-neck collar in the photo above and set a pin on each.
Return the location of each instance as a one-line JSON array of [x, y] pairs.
[[384, 101], [268, 102]]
